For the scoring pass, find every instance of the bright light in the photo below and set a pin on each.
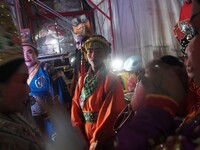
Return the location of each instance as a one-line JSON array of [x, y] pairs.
[[116, 64], [133, 63], [54, 42], [72, 59]]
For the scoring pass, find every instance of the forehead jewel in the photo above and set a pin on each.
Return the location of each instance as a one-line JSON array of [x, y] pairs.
[[184, 32]]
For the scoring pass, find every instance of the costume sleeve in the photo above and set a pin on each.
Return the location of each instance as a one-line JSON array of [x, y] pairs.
[[76, 111], [113, 104], [151, 125], [58, 87]]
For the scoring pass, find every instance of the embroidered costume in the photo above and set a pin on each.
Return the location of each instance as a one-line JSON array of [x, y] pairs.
[[96, 104], [47, 88], [16, 133], [193, 97]]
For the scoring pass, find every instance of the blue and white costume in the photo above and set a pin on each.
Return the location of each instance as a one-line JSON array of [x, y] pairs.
[[48, 87]]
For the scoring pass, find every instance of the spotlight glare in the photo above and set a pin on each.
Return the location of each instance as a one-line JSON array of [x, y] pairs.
[[117, 64]]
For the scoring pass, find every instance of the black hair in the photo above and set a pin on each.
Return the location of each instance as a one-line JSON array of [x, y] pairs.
[[172, 60], [32, 46], [8, 69]]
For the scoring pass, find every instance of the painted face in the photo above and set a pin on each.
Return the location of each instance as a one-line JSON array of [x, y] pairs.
[[79, 41], [96, 56], [29, 56], [15, 91], [187, 62]]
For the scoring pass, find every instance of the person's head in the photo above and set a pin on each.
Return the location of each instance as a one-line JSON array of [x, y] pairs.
[[160, 77], [13, 71], [174, 64], [194, 44], [80, 39], [13, 83], [97, 49], [187, 62], [30, 54]]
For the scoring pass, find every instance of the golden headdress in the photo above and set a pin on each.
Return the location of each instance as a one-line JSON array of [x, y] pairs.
[[10, 43], [99, 41]]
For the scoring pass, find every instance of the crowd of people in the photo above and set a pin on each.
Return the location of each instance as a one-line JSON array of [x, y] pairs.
[[38, 112]]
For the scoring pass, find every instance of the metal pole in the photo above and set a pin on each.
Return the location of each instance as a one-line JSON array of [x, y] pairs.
[[17, 7]]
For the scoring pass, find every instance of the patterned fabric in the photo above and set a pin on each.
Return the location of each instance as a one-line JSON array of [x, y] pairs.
[[108, 101], [195, 88], [90, 116], [90, 83], [47, 84], [47, 88], [193, 98], [16, 133]]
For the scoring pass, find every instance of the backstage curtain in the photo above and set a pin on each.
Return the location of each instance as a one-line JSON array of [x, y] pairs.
[[141, 27]]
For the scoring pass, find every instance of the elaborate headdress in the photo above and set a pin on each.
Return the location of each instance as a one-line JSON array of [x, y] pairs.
[[81, 26], [10, 43], [31, 45], [97, 40], [183, 30]]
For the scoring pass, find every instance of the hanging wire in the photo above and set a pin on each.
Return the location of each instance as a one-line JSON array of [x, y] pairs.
[[51, 10]]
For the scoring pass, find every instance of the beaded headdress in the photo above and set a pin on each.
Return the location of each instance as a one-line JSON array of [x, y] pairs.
[[184, 32]]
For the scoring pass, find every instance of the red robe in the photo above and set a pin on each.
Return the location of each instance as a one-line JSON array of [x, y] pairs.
[[108, 101], [193, 100]]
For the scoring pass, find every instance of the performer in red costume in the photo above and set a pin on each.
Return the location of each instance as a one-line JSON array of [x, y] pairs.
[[98, 98], [194, 89]]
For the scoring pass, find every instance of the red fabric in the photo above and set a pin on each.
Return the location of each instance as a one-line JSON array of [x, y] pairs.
[[108, 101], [185, 12], [193, 96], [163, 102]]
